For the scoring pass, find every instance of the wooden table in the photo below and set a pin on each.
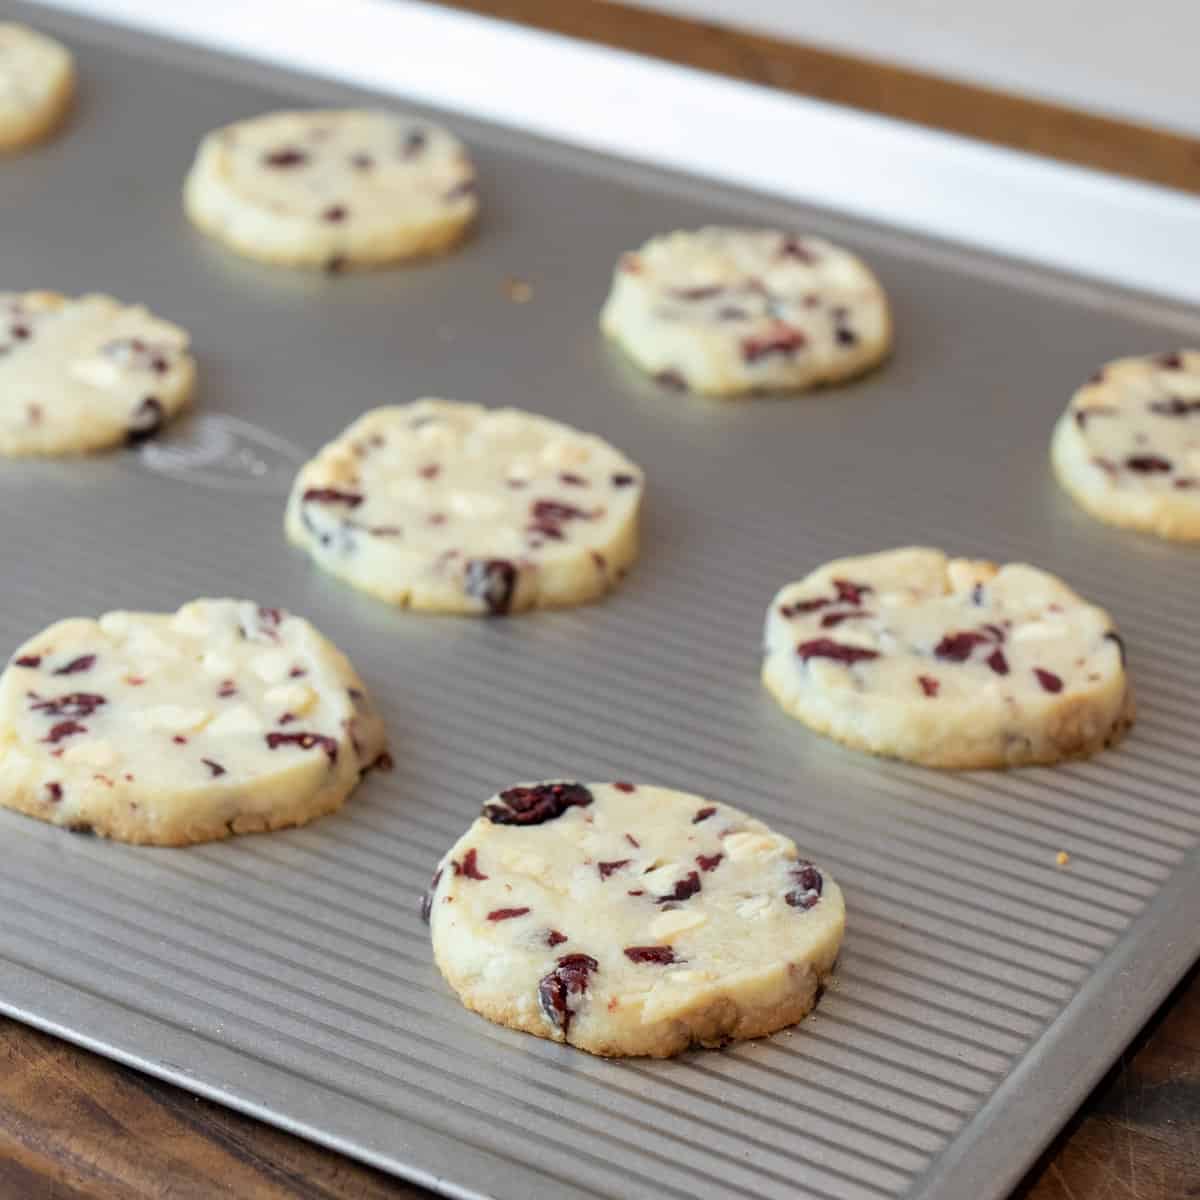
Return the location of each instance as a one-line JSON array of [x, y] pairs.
[[73, 1125]]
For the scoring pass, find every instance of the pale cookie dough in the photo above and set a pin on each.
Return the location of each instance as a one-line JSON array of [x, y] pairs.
[[631, 920], [459, 508], [37, 83], [168, 729], [947, 662], [332, 188], [730, 311], [1128, 447], [85, 374]]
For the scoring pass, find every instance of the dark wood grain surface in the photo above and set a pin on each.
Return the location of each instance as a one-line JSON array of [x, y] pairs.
[[73, 1125]]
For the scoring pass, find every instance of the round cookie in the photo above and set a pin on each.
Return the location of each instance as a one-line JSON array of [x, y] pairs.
[[37, 83], [947, 662], [169, 729], [86, 374], [1128, 447], [631, 920], [731, 311], [332, 188], [458, 508]]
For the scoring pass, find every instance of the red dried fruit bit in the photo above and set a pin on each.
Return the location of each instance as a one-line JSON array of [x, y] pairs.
[[929, 685], [684, 889], [64, 729], [827, 648], [957, 647], [147, 419], [998, 662], [803, 606], [845, 336], [506, 914], [784, 341], [54, 791], [558, 988], [289, 156], [179, 739], [636, 892], [430, 471], [622, 480], [332, 496], [1149, 464], [335, 214], [492, 580], [297, 673], [469, 867], [85, 662], [833, 620], [538, 804], [1175, 407], [215, 768], [554, 938], [708, 862], [702, 814], [1048, 680], [1173, 362], [793, 247], [73, 704], [426, 906], [659, 955], [227, 689], [811, 884], [306, 741], [607, 868], [625, 787], [29, 661], [571, 479], [1113, 636], [414, 142], [554, 511], [633, 841], [851, 593]]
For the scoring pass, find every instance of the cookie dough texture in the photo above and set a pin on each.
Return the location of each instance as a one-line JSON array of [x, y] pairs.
[[457, 508], [37, 84], [225, 717], [78, 375], [947, 662], [631, 920], [332, 188], [1128, 447], [735, 311]]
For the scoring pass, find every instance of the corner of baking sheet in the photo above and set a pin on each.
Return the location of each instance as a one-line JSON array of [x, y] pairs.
[[873, 167]]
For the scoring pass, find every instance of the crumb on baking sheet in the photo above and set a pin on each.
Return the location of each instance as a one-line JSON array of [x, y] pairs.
[[518, 290], [1062, 858]]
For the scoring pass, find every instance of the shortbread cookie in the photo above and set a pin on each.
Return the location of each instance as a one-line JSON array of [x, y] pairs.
[[729, 311], [631, 920], [37, 81], [1128, 447], [458, 508], [80, 375], [947, 662], [332, 188], [168, 729]]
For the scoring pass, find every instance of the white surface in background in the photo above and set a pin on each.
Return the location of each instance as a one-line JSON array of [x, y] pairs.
[[1133, 60], [1079, 220]]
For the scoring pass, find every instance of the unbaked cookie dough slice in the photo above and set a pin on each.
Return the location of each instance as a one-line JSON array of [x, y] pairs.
[[631, 920], [459, 508], [168, 729], [86, 374], [37, 82], [1128, 447], [730, 311], [332, 188], [947, 662]]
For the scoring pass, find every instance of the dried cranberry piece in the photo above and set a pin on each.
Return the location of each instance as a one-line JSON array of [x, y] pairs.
[[469, 867], [1149, 464], [702, 814], [828, 648], [427, 899], [845, 336], [785, 341], [85, 662], [1048, 680], [793, 247], [226, 689], [215, 768], [492, 580], [571, 479], [623, 480], [506, 914], [1173, 362], [708, 862], [625, 787], [147, 419], [179, 739], [998, 662], [851, 593], [659, 955], [684, 889], [607, 868], [28, 660], [554, 938], [1175, 407], [64, 729], [73, 704], [306, 741], [929, 685], [802, 606], [1113, 636], [289, 156], [332, 496], [335, 214], [559, 990], [833, 620], [554, 511], [54, 791], [957, 647], [810, 885], [538, 804]]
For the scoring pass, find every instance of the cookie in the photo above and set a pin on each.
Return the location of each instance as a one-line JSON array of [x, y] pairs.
[[1128, 447], [731, 311], [332, 188], [37, 83], [170, 729], [86, 374], [458, 508], [947, 662], [631, 920]]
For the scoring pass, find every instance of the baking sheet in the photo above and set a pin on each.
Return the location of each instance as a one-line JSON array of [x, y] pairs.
[[982, 989]]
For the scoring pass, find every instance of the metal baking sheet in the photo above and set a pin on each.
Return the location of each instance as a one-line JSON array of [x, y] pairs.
[[982, 988]]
